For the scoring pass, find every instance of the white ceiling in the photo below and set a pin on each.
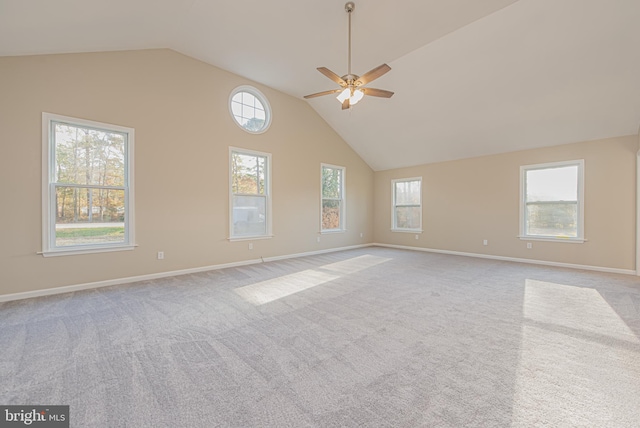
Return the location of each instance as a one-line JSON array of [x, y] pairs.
[[471, 77]]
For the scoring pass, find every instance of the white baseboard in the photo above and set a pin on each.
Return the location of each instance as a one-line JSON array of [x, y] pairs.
[[118, 281], [513, 259]]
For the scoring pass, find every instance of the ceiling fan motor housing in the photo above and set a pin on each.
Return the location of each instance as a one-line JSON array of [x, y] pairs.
[[350, 6], [350, 78]]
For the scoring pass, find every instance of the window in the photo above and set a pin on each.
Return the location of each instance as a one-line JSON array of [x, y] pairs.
[[333, 204], [552, 201], [250, 194], [87, 186], [407, 205], [250, 109]]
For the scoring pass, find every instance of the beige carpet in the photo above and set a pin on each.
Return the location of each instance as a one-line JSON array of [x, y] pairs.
[[373, 338]]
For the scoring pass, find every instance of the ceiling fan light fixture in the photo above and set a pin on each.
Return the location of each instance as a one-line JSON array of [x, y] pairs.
[[346, 93], [357, 96], [353, 95]]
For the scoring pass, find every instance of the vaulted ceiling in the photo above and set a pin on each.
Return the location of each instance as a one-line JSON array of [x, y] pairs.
[[470, 77]]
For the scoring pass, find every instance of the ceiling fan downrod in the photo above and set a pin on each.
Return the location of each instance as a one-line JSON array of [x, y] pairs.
[[349, 7]]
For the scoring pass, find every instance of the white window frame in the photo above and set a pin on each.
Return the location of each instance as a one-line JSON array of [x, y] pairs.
[[342, 199], [267, 194], [580, 202], [48, 188], [263, 100], [394, 227]]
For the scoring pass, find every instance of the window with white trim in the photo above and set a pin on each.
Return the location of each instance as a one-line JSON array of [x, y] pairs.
[[87, 195], [333, 201], [552, 205], [250, 204], [407, 205], [250, 109]]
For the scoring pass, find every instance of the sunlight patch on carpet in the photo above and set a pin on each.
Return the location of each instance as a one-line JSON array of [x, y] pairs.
[[578, 363], [277, 288], [355, 264], [572, 307]]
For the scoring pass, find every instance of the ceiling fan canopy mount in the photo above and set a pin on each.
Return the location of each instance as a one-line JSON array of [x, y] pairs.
[[349, 6]]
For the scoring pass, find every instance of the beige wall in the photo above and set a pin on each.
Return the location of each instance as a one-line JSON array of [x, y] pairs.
[[179, 109], [467, 201]]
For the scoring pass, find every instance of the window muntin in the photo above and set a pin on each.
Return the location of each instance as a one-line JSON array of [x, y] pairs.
[[333, 203], [87, 186], [250, 109], [407, 205], [552, 201], [250, 200]]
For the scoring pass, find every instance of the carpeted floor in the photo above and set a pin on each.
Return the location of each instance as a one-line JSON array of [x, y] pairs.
[[374, 337]]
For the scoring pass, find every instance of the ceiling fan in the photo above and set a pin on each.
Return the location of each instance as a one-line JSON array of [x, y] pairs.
[[351, 85]]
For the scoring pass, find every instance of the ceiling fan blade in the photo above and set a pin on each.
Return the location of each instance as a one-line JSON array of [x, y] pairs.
[[377, 92], [372, 75], [319, 94], [345, 104], [331, 75]]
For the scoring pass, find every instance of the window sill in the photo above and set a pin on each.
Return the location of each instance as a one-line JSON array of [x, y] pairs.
[[85, 250], [249, 238], [407, 230], [553, 239], [330, 231]]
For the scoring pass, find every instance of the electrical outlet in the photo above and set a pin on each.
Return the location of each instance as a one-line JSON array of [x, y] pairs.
[[361, 234], [485, 242], [160, 255], [251, 245], [529, 245], [416, 236], [318, 239]]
